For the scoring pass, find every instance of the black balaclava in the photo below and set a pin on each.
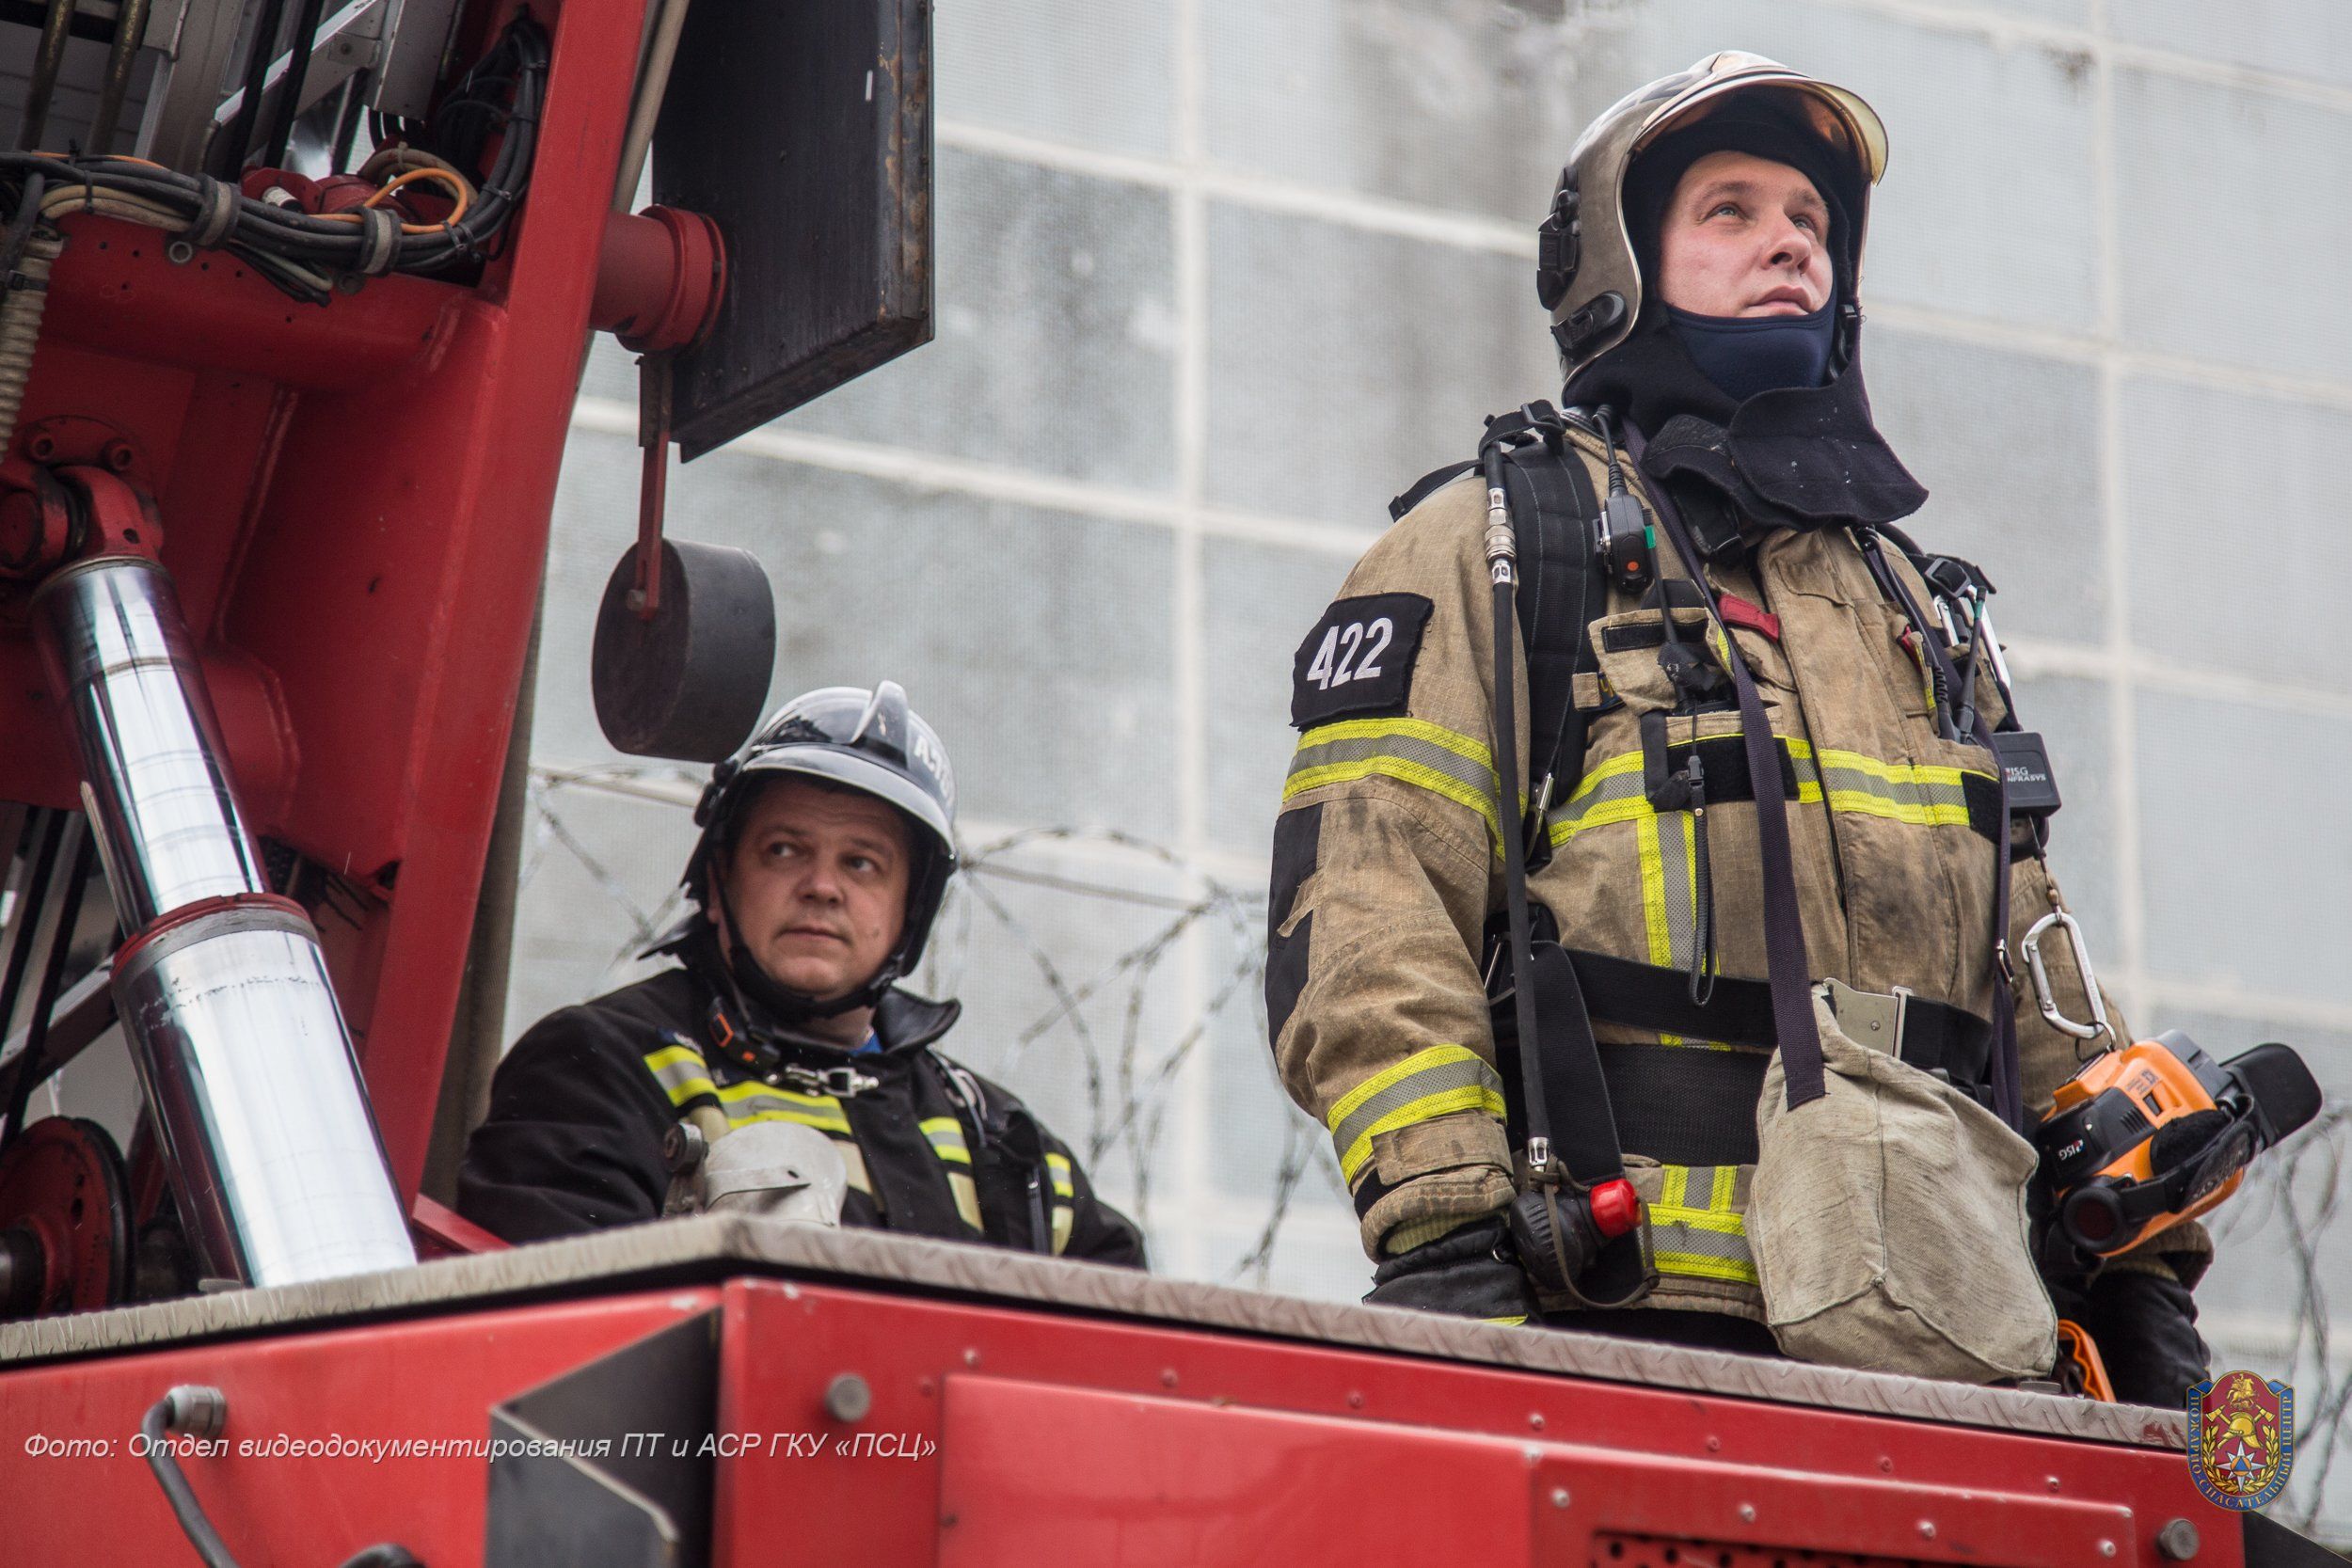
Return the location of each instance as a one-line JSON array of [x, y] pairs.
[[1747, 355], [1801, 453]]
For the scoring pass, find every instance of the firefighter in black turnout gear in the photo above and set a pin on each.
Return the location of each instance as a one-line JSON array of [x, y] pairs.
[[826, 844]]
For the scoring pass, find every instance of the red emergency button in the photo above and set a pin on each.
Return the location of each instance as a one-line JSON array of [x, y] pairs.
[[1616, 1209]]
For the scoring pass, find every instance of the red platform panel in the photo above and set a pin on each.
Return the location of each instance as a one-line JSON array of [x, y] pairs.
[[420, 1382], [1060, 1439]]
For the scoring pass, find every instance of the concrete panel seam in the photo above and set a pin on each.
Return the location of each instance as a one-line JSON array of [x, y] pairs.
[[2010, 32], [1465, 230], [2266, 1006], [990, 481]]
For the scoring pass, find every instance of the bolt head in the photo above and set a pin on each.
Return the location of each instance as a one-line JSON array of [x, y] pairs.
[[1559, 1497], [848, 1398], [1747, 1513], [2106, 1548], [1926, 1529]]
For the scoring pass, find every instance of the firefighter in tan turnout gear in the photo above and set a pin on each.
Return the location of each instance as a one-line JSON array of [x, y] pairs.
[[1832, 705]]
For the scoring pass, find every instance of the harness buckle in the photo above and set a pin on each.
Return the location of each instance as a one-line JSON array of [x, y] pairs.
[[1870, 1018], [842, 1083]]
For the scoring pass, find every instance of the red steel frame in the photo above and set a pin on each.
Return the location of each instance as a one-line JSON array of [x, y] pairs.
[[1005, 1436], [355, 502]]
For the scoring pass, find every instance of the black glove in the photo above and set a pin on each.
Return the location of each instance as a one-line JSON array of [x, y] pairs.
[[2145, 1326], [1468, 1272]]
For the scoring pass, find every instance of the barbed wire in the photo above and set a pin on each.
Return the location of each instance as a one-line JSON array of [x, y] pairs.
[[1130, 1069]]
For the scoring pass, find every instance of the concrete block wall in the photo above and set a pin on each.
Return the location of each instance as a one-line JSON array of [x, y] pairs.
[[1217, 277]]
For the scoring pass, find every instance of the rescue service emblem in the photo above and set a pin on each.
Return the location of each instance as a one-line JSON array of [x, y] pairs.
[[2241, 1438]]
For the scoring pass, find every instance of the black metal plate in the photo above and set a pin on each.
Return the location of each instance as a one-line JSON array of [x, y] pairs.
[[805, 131]]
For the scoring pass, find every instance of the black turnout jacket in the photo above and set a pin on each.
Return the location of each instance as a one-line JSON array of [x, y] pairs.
[[579, 1106]]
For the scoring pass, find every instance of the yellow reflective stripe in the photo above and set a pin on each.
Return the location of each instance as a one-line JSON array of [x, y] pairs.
[[1062, 1218], [744, 1111], [1709, 1242], [1437, 1082], [1409, 729], [684, 1077], [1923, 794], [1611, 792], [1411, 751], [681, 1072], [945, 1134], [1057, 1167], [1653, 891], [967, 1198]]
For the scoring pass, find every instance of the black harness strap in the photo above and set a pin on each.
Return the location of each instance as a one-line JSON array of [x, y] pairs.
[[1794, 1032], [1552, 513], [1937, 1037]]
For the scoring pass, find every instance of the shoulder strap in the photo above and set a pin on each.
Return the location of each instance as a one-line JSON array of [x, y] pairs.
[[1553, 512], [1428, 485]]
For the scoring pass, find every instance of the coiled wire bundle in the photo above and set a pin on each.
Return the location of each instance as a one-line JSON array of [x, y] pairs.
[[305, 254]]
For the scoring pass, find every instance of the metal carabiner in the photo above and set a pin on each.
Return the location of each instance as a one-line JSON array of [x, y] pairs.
[[842, 1083], [2058, 1021]]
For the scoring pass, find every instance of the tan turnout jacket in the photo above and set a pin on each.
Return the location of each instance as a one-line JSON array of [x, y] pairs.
[[1386, 863]]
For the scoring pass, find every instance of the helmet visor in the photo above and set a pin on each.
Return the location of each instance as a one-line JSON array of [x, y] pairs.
[[856, 772]]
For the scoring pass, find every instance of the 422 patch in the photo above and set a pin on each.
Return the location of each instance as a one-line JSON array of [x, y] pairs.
[[1358, 658]]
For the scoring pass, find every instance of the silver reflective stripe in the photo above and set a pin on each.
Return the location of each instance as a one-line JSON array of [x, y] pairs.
[[1461, 1072], [945, 1134], [1437, 759], [745, 1102], [1673, 1240], [1675, 851], [1698, 1232], [1612, 790], [680, 1071], [1903, 792]]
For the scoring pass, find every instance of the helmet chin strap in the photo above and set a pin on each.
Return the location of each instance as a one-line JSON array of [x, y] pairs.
[[754, 987]]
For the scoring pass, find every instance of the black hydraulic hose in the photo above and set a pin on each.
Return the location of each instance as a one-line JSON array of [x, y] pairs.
[[295, 250], [28, 1063], [224, 158], [42, 85], [1503, 562], [1966, 720], [129, 23], [289, 105], [203, 1411], [30, 896], [155, 1427]]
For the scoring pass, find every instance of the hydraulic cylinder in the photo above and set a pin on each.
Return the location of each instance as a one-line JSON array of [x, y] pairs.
[[223, 994]]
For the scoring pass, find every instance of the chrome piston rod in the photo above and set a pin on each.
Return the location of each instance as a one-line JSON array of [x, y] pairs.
[[224, 995]]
